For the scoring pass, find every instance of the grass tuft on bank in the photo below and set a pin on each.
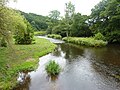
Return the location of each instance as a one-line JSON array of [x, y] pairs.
[[21, 58], [85, 41], [40, 33], [55, 36]]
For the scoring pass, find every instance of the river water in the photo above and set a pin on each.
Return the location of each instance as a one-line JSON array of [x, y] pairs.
[[83, 68]]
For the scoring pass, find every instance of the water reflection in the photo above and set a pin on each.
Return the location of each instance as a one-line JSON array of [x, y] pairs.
[[24, 81], [71, 52], [82, 69]]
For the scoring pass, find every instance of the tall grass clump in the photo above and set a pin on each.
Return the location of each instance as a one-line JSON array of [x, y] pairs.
[[55, 36], [40, 33], [52, 68], [85, 41], [99, 36]]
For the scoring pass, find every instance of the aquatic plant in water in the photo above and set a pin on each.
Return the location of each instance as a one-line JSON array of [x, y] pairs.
[[52, 68]]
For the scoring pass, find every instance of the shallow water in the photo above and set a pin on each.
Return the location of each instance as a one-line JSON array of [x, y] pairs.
[[82, 69]]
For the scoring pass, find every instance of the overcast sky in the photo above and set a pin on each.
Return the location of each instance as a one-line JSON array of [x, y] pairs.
[[43, 7]]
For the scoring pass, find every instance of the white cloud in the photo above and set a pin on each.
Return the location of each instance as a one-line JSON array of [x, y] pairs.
[[43, 7]]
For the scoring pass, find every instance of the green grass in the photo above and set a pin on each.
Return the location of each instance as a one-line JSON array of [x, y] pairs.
[[85, 41], [40, 33], [53, 68], [20, 58], [55, 36]]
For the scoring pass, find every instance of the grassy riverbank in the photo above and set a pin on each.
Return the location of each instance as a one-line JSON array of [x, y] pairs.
[[85, 41], [21, 57]]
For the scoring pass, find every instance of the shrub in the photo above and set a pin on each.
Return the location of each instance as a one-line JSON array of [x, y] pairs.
[[53, 68], [24, 36], [23, 39], [3, 43], [56, 36], [99, 36], [85, 41], [40, 33]]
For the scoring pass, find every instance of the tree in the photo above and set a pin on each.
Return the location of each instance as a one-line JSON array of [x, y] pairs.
[[105, 18], [80, 26], [61, 28], [55, 14], [69, 13], [65, 26], [4, 2], [9, 22], [53, 20]]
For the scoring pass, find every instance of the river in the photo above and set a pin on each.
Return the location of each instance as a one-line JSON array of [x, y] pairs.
[[83, 68]]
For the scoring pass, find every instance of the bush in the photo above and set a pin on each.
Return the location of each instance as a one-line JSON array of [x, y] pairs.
[[56, 36], [3, 43], [23, 39], [24, 36], [53, 68], [99, 36], [40, 33], [85, 41]]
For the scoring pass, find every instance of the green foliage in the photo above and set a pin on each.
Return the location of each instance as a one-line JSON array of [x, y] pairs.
[[69, 13], [99, 36], [73, 25], [10, 21], [53, 68], [4, 2], [53, 21], [62, 28], [3, 43], [38, 22], [40, 33], [80, 27], [55, 36], [85, 41], [55, 14], [105, 18], [69, 10], [24, 37]]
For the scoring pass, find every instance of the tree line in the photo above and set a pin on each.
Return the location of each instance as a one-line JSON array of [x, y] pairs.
[[104, 19]]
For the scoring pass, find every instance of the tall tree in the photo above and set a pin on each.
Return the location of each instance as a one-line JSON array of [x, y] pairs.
[[54, 14], [69, 13], [80, 26], [9, 22], [69, 10], [53, 20]]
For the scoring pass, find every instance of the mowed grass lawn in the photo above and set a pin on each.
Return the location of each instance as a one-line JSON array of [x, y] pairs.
[[19, 58]]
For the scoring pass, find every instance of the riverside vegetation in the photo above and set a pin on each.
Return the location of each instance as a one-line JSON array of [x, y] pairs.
[[53, 68], [55, 36], [40, 33], [97, 41], [21, 58], [85, 41]]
